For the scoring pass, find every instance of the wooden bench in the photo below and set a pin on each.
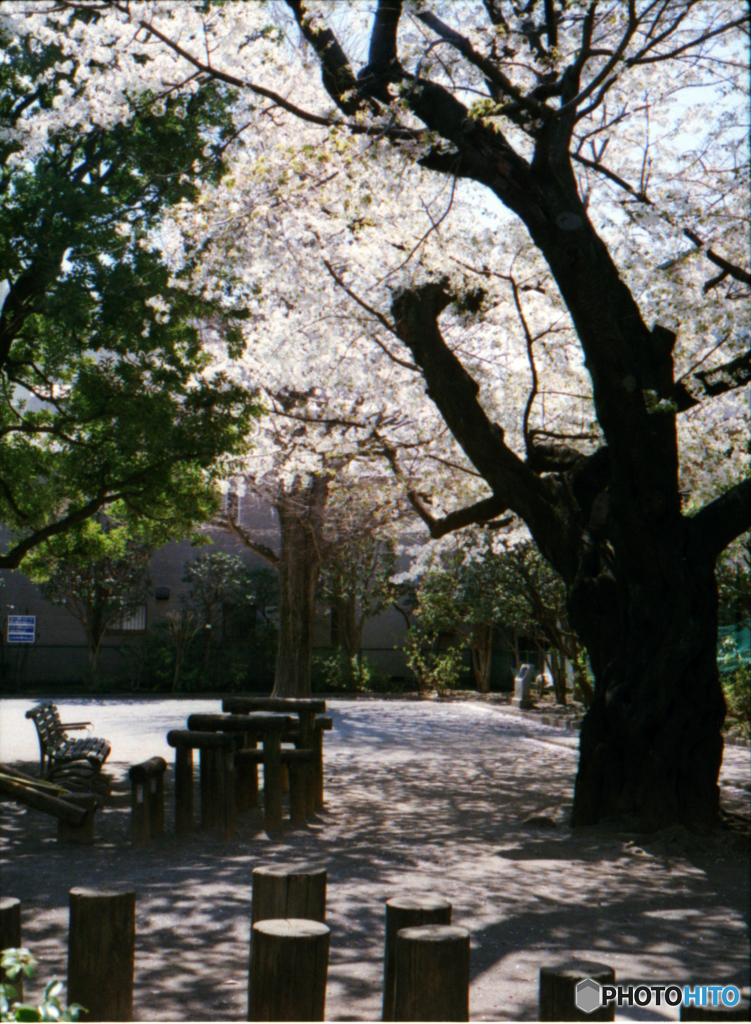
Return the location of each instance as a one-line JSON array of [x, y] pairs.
[[59, 753]]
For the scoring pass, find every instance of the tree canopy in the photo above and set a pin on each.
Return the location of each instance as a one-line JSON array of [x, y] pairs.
[[613, 135], [106, 393]]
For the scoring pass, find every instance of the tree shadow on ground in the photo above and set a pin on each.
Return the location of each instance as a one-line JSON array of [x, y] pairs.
[[459, 807]]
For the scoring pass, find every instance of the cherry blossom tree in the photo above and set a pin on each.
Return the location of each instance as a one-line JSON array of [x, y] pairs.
[[582, 122]]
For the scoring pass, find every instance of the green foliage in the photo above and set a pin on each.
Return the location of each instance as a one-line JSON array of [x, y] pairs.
[[106, 393], [434, 669], [355, 581], [20, 961], [98, 570], [184, 654], [734, 664], [734, 583], [338, 673]]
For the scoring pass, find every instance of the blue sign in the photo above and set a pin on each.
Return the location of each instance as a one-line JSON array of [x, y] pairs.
[[21, 629]]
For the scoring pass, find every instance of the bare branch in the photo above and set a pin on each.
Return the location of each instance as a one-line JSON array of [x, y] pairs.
[[483, 512]]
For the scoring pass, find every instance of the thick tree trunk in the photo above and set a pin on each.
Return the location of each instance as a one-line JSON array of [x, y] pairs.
[[651, 743], [301, 532]]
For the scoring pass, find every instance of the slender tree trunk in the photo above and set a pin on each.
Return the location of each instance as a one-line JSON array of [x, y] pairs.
[[482, 654], [301, 532]]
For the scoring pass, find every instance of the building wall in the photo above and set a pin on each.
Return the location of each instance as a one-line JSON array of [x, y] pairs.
[[60, 654]]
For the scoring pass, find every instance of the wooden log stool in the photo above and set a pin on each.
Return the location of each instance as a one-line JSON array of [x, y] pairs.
[[289, 890], [432, 974], [406, 912], [288, 968], [558, 991], [218, 802], [101, 951], [147, 800]]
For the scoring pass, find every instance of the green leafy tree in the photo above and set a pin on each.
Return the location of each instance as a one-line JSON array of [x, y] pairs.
[[105, 393], [98, 571], [354, 582]]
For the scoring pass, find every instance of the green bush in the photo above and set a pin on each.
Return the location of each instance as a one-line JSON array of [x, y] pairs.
[[735, 674], [336, 673], [20, 961]]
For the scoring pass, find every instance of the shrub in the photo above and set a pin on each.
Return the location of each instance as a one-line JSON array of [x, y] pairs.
[[20, 961]]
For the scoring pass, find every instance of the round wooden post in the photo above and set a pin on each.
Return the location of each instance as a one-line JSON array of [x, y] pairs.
[[272, 780], [10, 937], [558, 991], [247, 776], [147, 800], [298, 790], [225, 780], [101, 948], [84, 832], [183, 786], [407, 912], [288, 967], [432, 973], [288, 890], [208, 774]]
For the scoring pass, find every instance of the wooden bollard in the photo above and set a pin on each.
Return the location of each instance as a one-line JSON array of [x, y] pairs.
[[321, 725], [432, 973], [10, 937], [741, 1010], [288, 967], [288, 890], [558, 991], [147, 800], [84, 831], [407, 912], [247, 775], [101, 948]]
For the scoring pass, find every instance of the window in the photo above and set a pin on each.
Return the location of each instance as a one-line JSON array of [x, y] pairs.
[[131, 622]]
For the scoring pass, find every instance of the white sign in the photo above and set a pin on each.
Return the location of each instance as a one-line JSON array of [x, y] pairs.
[[21, 629]]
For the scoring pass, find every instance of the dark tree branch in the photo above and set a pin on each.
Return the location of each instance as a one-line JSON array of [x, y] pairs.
[[455, 393], [709, 383], [336, 72], [13, 558], [264, 552], [727, 268], [725, 518], [383, 64], [500, 84], [373, 312], [484, 512]]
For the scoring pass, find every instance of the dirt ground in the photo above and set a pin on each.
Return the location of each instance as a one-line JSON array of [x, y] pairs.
[[464, 800]]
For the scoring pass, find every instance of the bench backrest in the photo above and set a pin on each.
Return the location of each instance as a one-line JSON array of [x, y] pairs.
[[46, 718]]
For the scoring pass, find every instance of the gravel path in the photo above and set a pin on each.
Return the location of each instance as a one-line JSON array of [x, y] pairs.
[[459, 799]]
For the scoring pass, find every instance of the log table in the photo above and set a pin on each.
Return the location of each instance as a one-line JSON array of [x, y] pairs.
[[310, 736], [270, 726], [218, 801]]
